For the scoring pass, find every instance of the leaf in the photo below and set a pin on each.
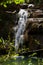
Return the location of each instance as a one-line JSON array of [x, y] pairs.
[[0, 40], [5, 5]]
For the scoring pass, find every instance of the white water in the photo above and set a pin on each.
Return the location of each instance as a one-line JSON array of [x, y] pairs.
[[23, 14]]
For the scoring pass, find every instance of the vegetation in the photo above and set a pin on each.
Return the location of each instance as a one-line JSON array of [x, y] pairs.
[[33, 44], [22, 61], [5, 2]]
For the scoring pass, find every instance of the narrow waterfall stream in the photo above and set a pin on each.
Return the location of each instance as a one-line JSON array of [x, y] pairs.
[[21, 28]]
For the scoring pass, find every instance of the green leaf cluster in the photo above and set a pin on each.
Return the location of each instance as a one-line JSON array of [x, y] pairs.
[[19, 1], [4, 2]]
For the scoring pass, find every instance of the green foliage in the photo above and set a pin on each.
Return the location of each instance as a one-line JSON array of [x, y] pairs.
[[19, 1], [10, 1], [19, 61], [32, 55], [0, 40], [4, 2]]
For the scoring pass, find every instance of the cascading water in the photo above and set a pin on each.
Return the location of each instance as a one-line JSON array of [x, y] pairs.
[[21, 28]]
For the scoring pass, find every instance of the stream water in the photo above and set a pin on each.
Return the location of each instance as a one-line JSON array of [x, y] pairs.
[[23, 14]]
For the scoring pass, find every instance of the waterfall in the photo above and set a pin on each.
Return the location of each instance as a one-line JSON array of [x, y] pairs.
[[23, 14]]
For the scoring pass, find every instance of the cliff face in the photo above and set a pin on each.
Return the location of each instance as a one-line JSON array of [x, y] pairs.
[[33, 36]]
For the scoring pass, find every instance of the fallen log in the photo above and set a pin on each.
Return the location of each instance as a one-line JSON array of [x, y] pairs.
[[35, 20]]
